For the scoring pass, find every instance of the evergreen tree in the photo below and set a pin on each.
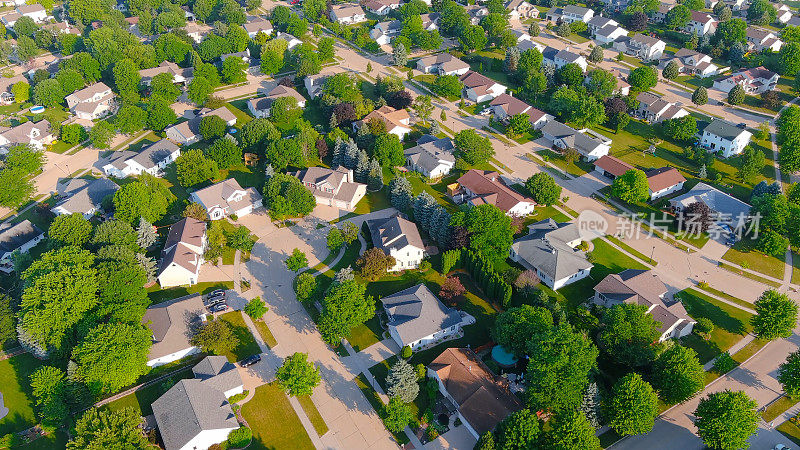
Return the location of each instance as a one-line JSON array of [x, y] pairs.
[[149, 265], [269, 171], [400, 193], [362, 167], [703, 173], [338, 152], [402, 381], [590, 406], [375, 177], [350, 154], [334, 121], [400, 55], [424, 204], [145, 234], [441, 231], [512, 59]]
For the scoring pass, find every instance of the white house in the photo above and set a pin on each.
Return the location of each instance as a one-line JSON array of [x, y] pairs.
[[700, 24], [506, 106], [784, 13], [384, 32], [589, 144], [398, 238], [604, 30], [432, 157], [82, 196], [92, 102], [227, 198], [416, 317], [35, 11], [260, 106], [479, 88], [642, 46], [442, 64], [728, 209], [570, 14], [333, 187], [481, 400], [692, 63], [476, 13], [291, 41], [258, 25], [550, 250], [759, 39], [197, 31], [560, 58], [725, 137], [397, 121], [153, 159], [521, 9], [182, 254], [172, 323], [195, 413], [17, 237], [654, 109], [664, 181], [35, 134], [347, 14], [479, 187], [754, 81], [243, 55], [643, 287]]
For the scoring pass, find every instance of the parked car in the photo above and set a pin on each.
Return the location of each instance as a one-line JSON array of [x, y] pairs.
[[250, 360], [217, 292], [216, 302], [218, 308], [742, 125], [212, 298], [781, 447]]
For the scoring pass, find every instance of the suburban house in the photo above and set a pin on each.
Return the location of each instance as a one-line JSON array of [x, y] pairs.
[[186, 133], [604, 30], [759, 39], [83, 196], [432, 157], [35, 134], [478, 187], [291, 41], [260, 106], [333, 187], [569, 14], [399, 238], [754, 81], [664, 181], [692, 63], [173, 323], [347, 13], [442, 64], [729, 210], [315, 83], [35, 11], [92, 102], [227, 198], [257, 25], [723, 136], [197, 31], [784, 13], [550, 250], [384, 32], [700, 24], [506, 106], [6, 84], [521, 35], [244, 55], [62, 28], [794, 21], [17, 237], [589, 144], [179, 74], [182, 254], [430, 21], [195, 412], [611, 167], [416, 317], [654, 109], [479, 88], [481, 399], [381, 7], [397, 121], [660, 15], [520, 9], [153, 159], [643, 287], [526, 45], [642, 46], [561, 58], [476, 13]]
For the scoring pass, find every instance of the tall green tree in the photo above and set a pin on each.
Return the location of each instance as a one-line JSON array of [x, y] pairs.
[[104, 428], [631, 187], [569, 430], [344, 307], [628, 334], [678, 374], [633, 406], [726, 420], [789, 375], [113, 355], [776, 315], [515, 326], [70, 229], [490, 230], [297, 375]]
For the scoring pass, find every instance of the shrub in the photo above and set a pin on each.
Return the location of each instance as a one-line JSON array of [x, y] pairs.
[[238, 397], [240, 437], [406, 352], [724, 363]]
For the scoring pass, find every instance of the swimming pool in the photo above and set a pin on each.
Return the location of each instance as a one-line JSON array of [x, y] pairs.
[[37, 109], [503, 356]]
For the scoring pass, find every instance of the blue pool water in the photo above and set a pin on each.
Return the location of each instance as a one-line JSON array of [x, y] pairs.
[[503, 356]]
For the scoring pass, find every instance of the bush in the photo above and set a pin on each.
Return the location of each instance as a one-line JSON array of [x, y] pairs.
[[240, 437], [406, 352], [724, 363], [238, 397], [424, 266]]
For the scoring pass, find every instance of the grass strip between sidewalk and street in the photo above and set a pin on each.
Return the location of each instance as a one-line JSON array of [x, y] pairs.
[[313, 414]]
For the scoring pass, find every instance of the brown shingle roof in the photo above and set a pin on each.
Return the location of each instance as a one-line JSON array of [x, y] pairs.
[[489, 188], [663, 178], [613, 165]]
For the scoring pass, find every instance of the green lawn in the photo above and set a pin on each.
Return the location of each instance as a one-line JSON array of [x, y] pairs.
[[366, 334], [381, 370], [247, 344], [55, 440], [377, 404], [609, 438], [274, 423], [795, 267], [744, 253], [158, 295], [437, 190], [373, 201], [576, 169], [730, 324], [791, 431], [238, 108], [265, 333], [313, 414], [14, 384], [143, 399]]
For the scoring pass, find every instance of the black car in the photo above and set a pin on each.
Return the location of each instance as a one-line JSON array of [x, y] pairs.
[[218, 308], [249, 361], [742, 125]]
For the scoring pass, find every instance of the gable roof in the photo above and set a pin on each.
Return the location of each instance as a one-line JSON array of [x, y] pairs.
[[21, 134], [545, 247], [148, 157], [511, 105], [663, 178], [475, 80], [14, 236], [490, 188], [430, 152], [481, 397], [613, 165], [215, 371], [187, 230], [172, 323], [416, 313], [84, 195], [218, 194], [394, 233], [641, 287], [715, 199], [724, 129]]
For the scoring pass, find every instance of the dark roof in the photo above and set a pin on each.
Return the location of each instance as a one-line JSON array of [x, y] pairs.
[[84, 195], [217, 372], [545, 247], [394, 233], [417, 313], [14, 236], [187, 230], [724, 129], [636, 286]]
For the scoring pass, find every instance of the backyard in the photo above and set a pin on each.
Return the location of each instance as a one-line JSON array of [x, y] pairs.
[[274, 423], [17, 397], [143, 399]]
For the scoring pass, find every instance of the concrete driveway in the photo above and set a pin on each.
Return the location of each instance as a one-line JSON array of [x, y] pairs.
[[377, 353], [456, 439]]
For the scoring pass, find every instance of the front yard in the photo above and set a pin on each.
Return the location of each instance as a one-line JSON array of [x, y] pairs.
[[158, 295], [274, 423], [730, 324], [247, 344], [744, 254]]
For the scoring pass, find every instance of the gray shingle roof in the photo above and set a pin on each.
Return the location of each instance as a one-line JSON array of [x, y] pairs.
[[394, 233], [218, 373], [85, 194], [417, 313], [429, 153], [14, 236], [545, 247], [723, 129], [715, 199]]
